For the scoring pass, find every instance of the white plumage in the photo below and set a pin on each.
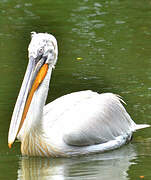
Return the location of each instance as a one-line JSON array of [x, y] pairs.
[[78, 123]]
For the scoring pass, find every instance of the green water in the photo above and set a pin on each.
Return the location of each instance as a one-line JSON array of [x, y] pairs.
[[112, 38]]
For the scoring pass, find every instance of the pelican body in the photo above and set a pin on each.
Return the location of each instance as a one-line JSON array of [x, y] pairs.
[[75, 124]]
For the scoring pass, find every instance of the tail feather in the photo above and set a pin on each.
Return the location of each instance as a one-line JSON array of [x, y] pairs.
[[141, 126]]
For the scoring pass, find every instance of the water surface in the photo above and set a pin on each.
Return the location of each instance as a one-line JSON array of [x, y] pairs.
[[103, 46]]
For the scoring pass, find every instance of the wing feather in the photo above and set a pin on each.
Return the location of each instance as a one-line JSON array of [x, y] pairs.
[[85, 118]]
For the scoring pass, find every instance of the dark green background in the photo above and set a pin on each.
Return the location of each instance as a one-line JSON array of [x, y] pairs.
[[113, 38]]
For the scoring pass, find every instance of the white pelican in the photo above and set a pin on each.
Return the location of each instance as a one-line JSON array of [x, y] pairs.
[[75, 124]]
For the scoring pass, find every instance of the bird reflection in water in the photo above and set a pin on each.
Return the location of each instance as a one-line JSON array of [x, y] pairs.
[[111, 165]]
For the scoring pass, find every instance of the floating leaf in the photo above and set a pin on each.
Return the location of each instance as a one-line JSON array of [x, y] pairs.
[[79, 58], [141, 177]]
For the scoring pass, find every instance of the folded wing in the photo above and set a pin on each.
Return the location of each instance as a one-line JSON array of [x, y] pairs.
[[85, 118]]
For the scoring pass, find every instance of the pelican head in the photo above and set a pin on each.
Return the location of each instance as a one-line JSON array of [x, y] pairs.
[[43, 46], [42, 53]]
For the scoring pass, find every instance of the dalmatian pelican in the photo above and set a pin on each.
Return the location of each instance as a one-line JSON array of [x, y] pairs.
[[79, 123]]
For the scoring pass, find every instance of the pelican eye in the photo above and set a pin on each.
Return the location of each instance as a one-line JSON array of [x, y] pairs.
[[40, 51]]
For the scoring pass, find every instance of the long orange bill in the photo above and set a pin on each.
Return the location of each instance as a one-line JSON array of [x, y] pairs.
[[39, 78], [25, 96]]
